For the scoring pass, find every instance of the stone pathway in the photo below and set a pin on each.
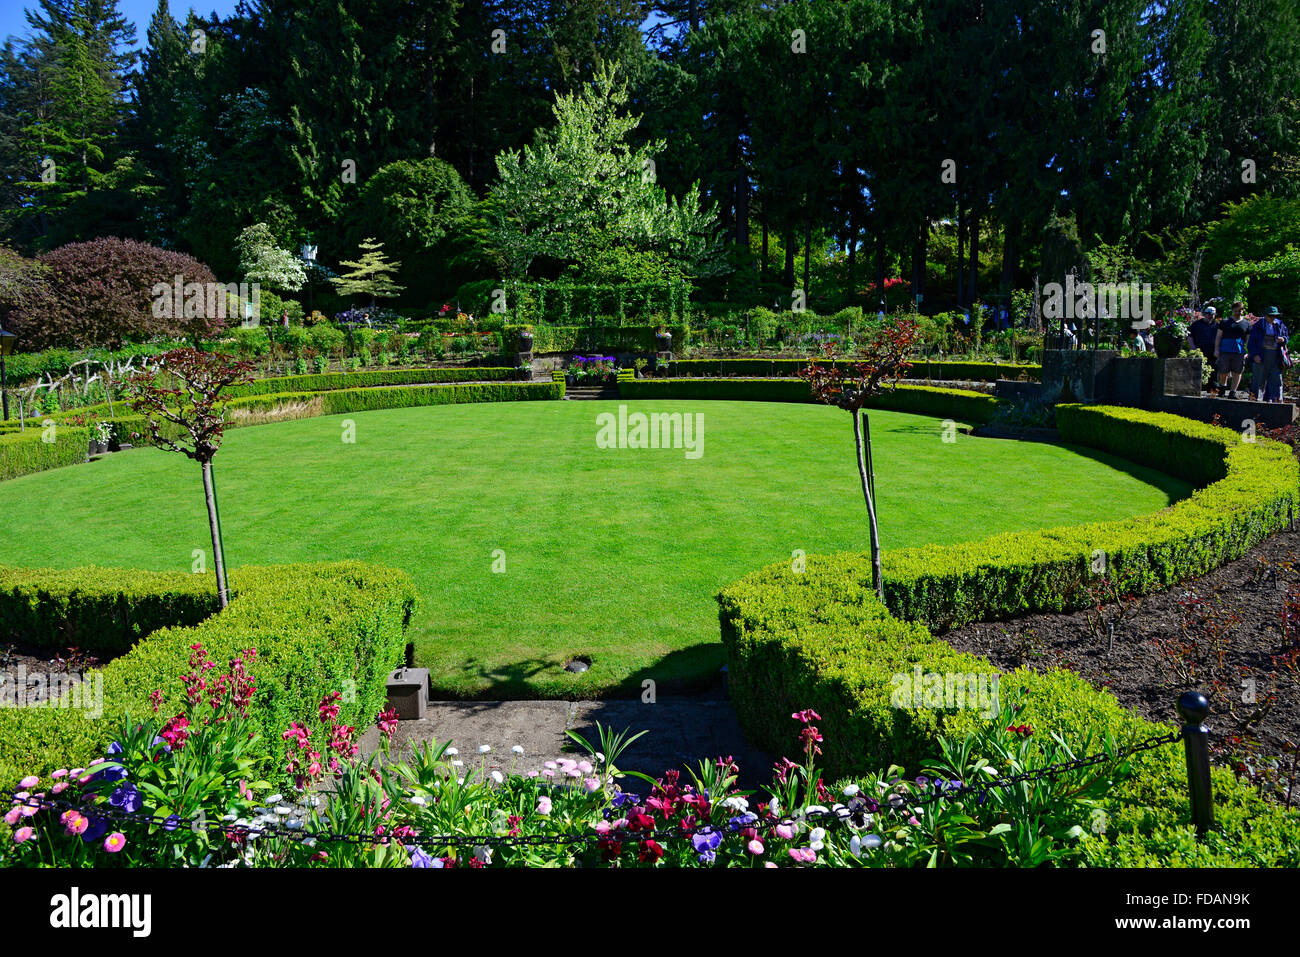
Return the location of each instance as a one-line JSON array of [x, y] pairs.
[[682, 730]]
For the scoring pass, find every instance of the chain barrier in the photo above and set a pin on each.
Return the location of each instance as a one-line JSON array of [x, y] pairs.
[[855, 813]]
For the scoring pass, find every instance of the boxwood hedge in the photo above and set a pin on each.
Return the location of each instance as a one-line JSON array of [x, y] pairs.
[[38, 449], [789, 368], [821, 639], [361, 380], [317, 629]]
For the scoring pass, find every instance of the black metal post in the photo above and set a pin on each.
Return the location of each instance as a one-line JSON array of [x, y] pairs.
[[1193, 707], [4, 385]]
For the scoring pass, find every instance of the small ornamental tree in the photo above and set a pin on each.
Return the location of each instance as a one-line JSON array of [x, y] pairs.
[[188, 395], [849, 383], [371, 275]]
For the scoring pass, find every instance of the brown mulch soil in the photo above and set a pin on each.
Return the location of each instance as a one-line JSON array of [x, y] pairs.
[[30, 675], [1233, 635]]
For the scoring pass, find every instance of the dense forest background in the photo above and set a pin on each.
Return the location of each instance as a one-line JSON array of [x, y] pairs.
[[963, 145]]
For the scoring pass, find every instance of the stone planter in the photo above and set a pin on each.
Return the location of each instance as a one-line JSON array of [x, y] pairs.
[[525, 342]]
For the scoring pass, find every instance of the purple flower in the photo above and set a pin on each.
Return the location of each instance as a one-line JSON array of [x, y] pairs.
[[743, 820], [115, 748], [420, 858], [127, 797], [622, 797], [707, 843], [95, 830], [172, 822]]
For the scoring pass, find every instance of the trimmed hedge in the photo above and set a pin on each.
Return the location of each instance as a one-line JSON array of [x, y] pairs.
[[822, 640], [317, 629], [972, 407], [787, 368], [25, 452], [359, 380]]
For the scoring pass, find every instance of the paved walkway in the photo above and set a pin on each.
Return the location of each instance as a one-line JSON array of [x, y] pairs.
[[682, 730]]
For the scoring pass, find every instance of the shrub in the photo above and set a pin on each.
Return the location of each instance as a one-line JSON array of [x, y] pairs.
[[101, 294], [24, 452], [316, 628]]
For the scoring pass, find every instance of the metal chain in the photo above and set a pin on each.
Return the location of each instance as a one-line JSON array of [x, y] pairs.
[[892, 801]]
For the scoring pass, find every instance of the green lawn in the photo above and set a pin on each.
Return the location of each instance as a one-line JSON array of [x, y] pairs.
[[610, 554]]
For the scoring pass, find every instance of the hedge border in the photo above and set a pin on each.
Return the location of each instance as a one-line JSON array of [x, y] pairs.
[[318, 628], [822, 639], [952, 370]]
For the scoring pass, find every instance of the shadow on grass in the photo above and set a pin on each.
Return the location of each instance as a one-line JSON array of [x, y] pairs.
[[686, 671]]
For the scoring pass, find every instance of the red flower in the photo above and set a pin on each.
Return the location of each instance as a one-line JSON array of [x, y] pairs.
[[639, 821], [650, 852], [387, 721]]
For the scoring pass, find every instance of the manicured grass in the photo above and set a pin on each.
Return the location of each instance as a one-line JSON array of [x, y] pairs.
[[609, 554]]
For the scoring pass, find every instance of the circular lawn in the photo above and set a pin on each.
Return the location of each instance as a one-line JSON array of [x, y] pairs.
[[532, 545]]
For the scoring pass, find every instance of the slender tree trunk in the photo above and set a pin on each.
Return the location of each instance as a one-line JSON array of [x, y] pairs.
[[807, 252], [763, 268], [789, 258], [214, 525], [974, 255], [880, 269], [877, 580], [961, 258]]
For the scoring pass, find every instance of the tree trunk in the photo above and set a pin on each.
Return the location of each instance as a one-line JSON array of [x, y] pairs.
[[807, 253], [961, 258], [1010, 256], [214, 525], [880, 269], [877, 580], [789, 259], [742, 208], [763, 268], [974, 286], [918, 261]]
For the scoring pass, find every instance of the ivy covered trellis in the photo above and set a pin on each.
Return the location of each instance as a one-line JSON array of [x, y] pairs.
[[569, 304]]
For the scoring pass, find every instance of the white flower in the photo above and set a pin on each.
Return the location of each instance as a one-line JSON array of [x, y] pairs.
[[859, 844], [417, 800], [498, 777], [812, 809], [774, 806], [851, 791], [815, 838], [736, 803], [452, 751], [458, 764], [517, 749], [484, 748], [600, 757]]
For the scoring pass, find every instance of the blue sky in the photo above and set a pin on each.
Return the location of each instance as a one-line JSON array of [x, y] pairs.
[[14, 23]]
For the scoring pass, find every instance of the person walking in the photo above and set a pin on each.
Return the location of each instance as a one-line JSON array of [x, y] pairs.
[[1203, 331], [1230, 350], [1266, 345]]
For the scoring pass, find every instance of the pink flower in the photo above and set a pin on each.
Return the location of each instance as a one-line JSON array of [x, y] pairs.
[[77, 825], [768, 864], [754, 847], [12, 817], [543, 805], [602, 827], [114, 842], [23, 834], [61, 773], [583, 766], [60, 787], [785, 831], [592, 784], [29, 782], [387, 721], [804, 855]]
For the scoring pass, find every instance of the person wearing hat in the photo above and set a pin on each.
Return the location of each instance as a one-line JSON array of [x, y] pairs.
[[1202, 332], [1266, 346], [1230, 349]]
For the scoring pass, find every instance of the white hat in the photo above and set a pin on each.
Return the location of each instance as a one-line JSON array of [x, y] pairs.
[[1211, 311]]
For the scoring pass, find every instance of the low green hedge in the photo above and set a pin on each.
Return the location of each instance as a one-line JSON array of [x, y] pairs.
[[360, 380], [786, 368], [97, 611], [972, 407], [317, 629], [24, 452], [821, 639]]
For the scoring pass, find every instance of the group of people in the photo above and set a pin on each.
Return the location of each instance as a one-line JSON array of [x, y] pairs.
[[1239, 342]]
